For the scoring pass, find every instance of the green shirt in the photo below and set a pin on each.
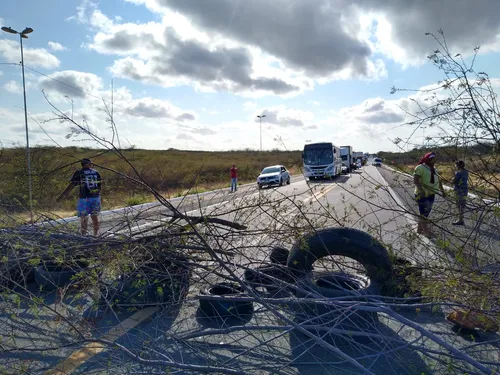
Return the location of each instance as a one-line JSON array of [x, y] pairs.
[[424, 172]]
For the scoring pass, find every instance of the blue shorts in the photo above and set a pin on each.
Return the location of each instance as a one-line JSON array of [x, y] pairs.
[[425, 204], [88, 206]]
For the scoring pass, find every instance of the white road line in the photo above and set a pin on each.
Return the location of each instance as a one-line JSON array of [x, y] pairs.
[[215, 207]]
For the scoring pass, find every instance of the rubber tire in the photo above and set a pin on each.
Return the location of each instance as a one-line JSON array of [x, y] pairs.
[[348, 242], [225, 309], [50, 275], [169, 287], [325, 313], [281, 182], [279, 255], [288, 181], [397, 286], [257, 277]]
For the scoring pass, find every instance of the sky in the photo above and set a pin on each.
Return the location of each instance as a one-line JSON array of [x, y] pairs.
[[194, 74]]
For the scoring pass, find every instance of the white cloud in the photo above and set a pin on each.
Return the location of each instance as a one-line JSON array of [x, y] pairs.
[[249, 105], [36, 57], [13, 87], [71, 83], [54, 46]]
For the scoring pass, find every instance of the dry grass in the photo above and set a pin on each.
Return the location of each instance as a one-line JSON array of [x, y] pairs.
[[171, 172]]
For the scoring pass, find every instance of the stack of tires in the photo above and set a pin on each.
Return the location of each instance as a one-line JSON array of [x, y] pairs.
[[338, 299]]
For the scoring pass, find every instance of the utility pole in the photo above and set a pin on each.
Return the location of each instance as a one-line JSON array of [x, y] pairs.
[[23, 34]]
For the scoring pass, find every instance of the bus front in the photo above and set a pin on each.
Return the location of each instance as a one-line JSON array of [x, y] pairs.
[[318, 161]]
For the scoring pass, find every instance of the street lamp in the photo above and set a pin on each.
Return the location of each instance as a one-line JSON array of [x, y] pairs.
[[23, 34], [260, 120]]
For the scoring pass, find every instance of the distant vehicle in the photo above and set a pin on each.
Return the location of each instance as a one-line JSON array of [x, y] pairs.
[[345, 169], [321, 160], [273, 175], [377, 162], [357, 155], [358, 163], [347, 158]]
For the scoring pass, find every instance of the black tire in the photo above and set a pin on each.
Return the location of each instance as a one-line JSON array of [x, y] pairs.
[[281, 181], [399, 284], [259, 187], [50, 275], [152, 284], [348, 242], [224, 309], [288, 181], [333, 285], [279, 255], [269, 276]]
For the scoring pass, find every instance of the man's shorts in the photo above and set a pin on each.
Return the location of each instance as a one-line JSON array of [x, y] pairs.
[[425, 205], [88, 206]]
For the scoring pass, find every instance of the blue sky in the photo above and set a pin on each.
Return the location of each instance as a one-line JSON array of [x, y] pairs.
[[193, 75]]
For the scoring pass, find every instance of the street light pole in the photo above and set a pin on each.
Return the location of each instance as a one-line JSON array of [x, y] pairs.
[[260, 120], [22, 35]]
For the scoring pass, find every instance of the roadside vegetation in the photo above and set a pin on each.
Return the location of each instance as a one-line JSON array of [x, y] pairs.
[[172, 173], [482, 162]]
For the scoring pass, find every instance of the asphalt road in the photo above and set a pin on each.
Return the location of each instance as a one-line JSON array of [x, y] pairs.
[[266, 344]]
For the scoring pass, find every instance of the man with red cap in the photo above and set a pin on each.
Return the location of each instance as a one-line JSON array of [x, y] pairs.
[[427, 184]]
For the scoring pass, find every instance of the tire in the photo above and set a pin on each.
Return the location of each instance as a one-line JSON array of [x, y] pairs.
[[224, 309], [152, 284], [279, 255], [288, 181], [333, 285], [398, 285], [259, 187], [348, 242], [266, 275], [281, 182], [50, 275]]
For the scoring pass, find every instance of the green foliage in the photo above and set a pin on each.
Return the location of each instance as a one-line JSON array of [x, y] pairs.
[[167, 171]]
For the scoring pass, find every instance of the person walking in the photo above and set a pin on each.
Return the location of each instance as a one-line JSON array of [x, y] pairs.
[[461, 189], [234, 178], [89, 199], [427, 184]]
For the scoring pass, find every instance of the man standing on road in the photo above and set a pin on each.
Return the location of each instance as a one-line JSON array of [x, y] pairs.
[[89, 200], [427, 184], [234, 178], [461, 188]]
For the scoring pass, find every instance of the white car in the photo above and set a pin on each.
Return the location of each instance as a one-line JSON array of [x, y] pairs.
[[273, 175], [377, 162], [344, 169]]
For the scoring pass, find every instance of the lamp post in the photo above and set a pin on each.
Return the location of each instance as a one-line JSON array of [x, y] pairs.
[[23, 34], [260, 120]]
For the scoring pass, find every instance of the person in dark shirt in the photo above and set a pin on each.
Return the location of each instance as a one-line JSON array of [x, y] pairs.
[[461, 188], [89, 198]]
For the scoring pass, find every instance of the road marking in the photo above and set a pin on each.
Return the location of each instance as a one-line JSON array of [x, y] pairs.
[[316, 196], [77, 358], [213, 207]]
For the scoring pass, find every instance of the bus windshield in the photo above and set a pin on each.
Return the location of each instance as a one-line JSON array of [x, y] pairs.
[[318, 156]]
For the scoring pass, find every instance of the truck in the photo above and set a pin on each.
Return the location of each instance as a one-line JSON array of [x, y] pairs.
[[347, 157], [321, 160], [358, 156]]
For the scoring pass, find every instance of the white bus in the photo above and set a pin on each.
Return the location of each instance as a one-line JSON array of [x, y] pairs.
[[321, 160]]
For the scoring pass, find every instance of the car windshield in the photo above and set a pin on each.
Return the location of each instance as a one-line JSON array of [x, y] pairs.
[[318, 156], [270, 170]]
